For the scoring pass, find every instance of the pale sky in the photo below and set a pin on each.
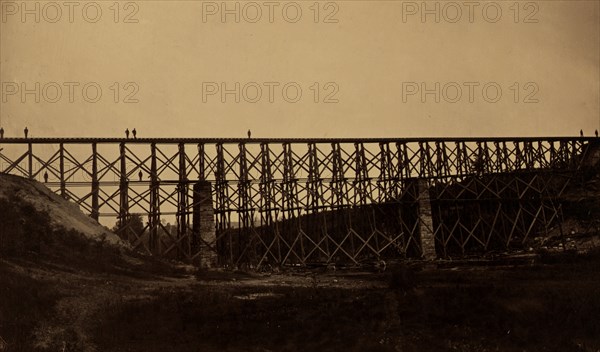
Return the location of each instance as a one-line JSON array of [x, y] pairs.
[[368, 63]]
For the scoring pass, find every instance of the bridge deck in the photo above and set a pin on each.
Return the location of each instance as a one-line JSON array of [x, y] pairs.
[[102, 140]]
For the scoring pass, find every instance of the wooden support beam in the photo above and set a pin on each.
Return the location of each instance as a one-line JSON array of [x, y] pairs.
[[124, 230], [63, 185], [30, 161], [183, 249], [95, 184], [154, 207]]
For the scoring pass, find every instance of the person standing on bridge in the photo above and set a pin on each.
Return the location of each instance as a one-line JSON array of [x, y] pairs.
[[45, 176], [140, 175], [134, 133], [249, 134], [1, 132], [127, 133], [26, 131]]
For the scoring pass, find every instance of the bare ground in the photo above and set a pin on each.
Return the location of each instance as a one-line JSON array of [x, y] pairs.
[[552, 305]]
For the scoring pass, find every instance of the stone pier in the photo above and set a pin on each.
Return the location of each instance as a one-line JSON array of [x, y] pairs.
[[203, 225], [425, 221]]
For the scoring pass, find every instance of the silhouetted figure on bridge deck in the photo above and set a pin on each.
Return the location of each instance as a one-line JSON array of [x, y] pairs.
[[26, 131], [134, 133], [1, 132], [596, 133], [580, 133], [140, 175], [127, 133], [249, 134], [46, 177]]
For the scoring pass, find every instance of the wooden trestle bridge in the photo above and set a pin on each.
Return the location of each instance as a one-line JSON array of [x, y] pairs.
[[300, 201]]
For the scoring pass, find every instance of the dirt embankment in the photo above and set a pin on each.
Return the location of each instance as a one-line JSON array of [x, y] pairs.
[[57, 266], [29, 196]]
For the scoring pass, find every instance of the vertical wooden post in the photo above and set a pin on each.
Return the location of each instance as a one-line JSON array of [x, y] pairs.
[[95, 184], [341, 221], [223, 206], [30, 160], [63, 189], [197, 226], [289, 200], [182, 212], [154, 216], [315, 189], [361, 175], [201, 162], [123, 195], [245, 243], [267, 205]]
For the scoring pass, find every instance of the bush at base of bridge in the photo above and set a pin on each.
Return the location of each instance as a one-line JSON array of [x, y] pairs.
[[24, 229]]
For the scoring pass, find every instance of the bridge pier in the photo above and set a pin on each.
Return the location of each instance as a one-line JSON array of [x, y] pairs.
[[204, 239], [426, 233]]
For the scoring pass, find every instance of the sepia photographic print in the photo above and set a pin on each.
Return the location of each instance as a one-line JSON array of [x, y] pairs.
[[308, 175]]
